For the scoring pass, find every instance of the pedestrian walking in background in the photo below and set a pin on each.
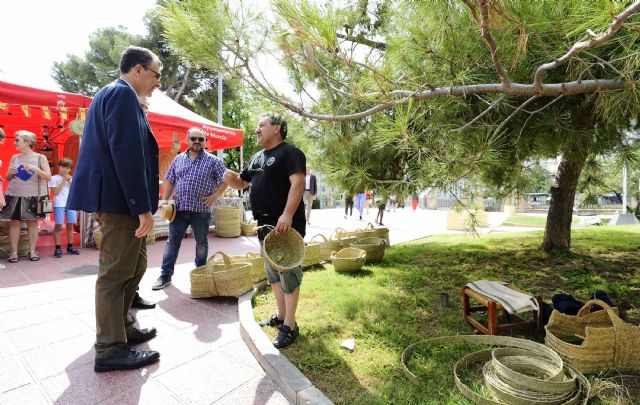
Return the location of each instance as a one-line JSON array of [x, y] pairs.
[[360, 202], [348, 204], [310, 191], [415, 198]]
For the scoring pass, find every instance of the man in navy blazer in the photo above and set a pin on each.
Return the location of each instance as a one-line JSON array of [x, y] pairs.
[[116, 179]]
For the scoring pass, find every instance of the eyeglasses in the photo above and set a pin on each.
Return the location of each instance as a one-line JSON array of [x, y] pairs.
[[195, 138], [158, 75]]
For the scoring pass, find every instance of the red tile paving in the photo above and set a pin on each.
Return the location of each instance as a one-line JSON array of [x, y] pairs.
[[47, 331]]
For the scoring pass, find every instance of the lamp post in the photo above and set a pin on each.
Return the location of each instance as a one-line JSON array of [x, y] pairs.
[[220, 153]]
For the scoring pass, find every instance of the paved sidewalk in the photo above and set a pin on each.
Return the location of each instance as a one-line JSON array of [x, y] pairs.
[[47, 328]]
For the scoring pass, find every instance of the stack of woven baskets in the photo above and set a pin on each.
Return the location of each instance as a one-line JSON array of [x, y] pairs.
[[248, 228], [608, 342], [228, 222], [228, 217], [344, 237], [226, 278]]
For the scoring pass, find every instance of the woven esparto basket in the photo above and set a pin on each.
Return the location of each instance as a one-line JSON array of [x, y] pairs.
[[283, 251], [257, 264], [609, 342], [248, 228], [366, 232], [382, 232], [311, 254], [202, 284], [232, 279], [228, 222], [374, 247], [348, 259], [344, 237], [326, 246]]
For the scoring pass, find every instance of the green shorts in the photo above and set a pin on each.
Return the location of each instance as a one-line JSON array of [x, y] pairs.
[[289, 280]]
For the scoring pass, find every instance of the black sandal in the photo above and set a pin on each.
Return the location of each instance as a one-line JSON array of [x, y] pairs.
[[13, 258], [33, 256]]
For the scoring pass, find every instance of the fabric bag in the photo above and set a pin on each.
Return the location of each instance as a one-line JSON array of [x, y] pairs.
[[44, 204], [2, 200]]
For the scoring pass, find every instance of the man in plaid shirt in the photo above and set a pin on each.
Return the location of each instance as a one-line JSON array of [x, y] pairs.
[[194, 179]]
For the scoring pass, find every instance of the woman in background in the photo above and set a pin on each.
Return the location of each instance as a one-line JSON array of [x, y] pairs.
[[360, 201], [28, 177], [2, 202]]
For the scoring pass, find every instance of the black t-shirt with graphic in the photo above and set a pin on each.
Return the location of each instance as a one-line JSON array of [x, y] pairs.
[[268, 172]]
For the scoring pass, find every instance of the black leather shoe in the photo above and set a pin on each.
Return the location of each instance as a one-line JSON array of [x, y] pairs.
[[141, 303], [126, 358], [141, 335]]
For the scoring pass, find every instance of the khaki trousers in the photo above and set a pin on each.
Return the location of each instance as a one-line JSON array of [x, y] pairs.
[[123, 261]]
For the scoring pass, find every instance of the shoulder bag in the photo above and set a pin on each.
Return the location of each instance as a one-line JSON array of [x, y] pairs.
[[44, 205]]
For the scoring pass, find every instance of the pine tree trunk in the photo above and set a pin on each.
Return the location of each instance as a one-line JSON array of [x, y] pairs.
[[557, 233]]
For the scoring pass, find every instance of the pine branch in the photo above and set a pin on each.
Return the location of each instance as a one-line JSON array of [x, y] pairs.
[[490, 40], [595, 41], [482, 114], [360, 39]]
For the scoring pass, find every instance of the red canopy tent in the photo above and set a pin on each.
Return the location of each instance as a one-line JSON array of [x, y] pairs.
[[48, 114]]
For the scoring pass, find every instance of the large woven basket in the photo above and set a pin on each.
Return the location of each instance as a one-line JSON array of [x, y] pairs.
[[232, 279], [348, 259], [248, 228], [311, 254], [609, 342], [257, 264], [326, 246], [283, 251], [228, 222], [202, 284], [374, 247]]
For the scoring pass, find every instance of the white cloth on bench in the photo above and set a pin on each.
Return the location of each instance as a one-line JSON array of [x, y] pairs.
[[511, 300]]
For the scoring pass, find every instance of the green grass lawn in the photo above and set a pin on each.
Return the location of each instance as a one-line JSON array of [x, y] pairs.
[[391, 305], [531, 220]]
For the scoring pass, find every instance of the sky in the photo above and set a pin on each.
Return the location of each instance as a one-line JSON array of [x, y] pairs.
[[35, 33]]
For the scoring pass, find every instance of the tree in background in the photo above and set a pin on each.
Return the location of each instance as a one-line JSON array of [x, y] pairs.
[[453, 88], [193, 87]]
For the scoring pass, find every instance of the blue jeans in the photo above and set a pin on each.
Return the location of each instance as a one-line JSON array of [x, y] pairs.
[[199, 222]]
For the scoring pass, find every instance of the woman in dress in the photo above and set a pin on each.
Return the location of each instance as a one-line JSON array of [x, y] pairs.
[[28, 175]]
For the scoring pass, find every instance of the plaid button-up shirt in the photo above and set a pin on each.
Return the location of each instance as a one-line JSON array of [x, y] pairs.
[[194, 180]]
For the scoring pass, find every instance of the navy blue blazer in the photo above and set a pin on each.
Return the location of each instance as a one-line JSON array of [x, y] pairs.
[[117, 168]]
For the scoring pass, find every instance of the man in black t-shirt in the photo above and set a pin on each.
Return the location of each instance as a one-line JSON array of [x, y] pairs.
[[276, 175]]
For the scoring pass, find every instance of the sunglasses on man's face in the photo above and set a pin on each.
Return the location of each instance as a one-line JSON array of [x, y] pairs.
[[196, 139]]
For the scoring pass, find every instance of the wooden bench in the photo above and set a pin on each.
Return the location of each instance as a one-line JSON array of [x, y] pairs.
[[491, 307]]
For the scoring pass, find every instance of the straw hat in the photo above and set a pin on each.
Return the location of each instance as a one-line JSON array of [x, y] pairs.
[[168, 211], [77, 126]]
